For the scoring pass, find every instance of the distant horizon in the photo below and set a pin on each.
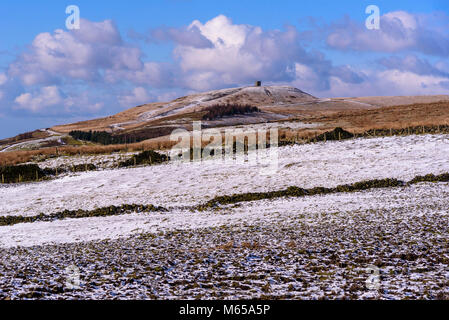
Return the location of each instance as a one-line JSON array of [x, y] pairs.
[[168, 101], [126, 55]]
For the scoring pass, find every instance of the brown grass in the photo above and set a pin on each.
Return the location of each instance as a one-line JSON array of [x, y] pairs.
[[28, 136], [359, 121], [228, 246], [252, 245], [389, 117], [103, 124]]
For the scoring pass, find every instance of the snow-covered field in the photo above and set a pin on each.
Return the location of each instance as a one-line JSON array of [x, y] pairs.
[[416, 201], [176, 185], [100, 161], [317, 247], [281, 125], [309, 247]]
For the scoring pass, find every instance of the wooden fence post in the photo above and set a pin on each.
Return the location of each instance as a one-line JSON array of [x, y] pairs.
[[3, 178]]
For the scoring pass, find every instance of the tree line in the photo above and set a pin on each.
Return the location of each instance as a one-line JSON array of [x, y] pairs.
[[219, 111], [105, 138]]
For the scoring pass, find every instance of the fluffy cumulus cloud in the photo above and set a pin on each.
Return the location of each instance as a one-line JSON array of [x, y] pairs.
[[220, 53], [396, 75], [414, 64], [390, 83], [154, 74], [240, 54], [399, 31], [64, 72], [75, 55], [45, 97], [51, 100], [138, 96], [79, 103], [244, 53]]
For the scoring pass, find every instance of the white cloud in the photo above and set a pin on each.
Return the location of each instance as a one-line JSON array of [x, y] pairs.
[[46, 97], [155, 74], [409, 21], [306, 78], [407, 83], [80, 54], [168, 96], [138, 96], [3, 79], [239, 55], [228, 61], [222, 32], [51, 100], [388, 83], [399, 31], [242, 54], [416, 65], [81, 104]]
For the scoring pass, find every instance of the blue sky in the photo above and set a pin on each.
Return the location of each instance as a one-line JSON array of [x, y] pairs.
[[132, 52]]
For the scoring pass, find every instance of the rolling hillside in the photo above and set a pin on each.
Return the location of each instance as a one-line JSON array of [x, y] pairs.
[[278, 104]]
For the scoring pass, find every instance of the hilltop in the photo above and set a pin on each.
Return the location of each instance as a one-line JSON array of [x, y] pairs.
[[272, 101], [274, 104]]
